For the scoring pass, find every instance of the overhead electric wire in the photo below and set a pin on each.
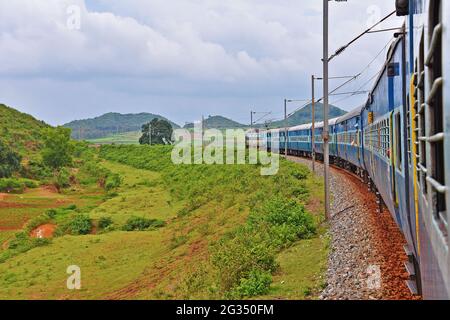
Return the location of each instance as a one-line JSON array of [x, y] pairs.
[[341, 49]]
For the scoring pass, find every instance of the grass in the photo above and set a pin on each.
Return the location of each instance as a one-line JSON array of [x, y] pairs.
[[140, 195], [107, 262], [121, 138], [301, 271], [201, 206]]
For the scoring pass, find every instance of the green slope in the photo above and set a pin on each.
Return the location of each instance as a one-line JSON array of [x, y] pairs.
[[305, 115], [20, 131], [110, 123], [218, 122]]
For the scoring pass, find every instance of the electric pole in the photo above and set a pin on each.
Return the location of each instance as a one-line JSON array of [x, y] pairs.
[[313, 128], [326, 158], [285, 128]]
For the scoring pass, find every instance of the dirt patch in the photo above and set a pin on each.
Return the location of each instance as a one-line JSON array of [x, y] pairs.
[[6, 205], [46, 191], [44, 231], [3, 196], [315, 206]]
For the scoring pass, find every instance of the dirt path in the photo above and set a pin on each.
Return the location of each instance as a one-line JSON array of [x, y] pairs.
[[366, 258]]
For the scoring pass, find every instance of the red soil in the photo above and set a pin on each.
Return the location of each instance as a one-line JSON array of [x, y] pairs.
[[44, 231]]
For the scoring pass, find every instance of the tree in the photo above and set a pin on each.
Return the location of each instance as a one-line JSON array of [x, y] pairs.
[[156, 132], [9, 161], [58, 148]]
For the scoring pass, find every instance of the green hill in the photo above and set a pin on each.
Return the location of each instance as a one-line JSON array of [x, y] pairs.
[[305, 116], [218, 122], [110, 123], [20, 131]]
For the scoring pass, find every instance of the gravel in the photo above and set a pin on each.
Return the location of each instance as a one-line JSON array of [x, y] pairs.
[[366, 249]]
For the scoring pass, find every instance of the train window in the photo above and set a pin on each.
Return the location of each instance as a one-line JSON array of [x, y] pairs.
[[398, 143], [408, 130], [435, 119], [420, 119]]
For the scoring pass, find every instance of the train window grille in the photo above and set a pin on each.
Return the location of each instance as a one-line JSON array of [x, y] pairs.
[[377, 138], [408, 127], [434, 135], [398, 144], [419, 108]]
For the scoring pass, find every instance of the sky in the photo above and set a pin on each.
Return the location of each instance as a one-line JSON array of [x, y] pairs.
[[62, 60]]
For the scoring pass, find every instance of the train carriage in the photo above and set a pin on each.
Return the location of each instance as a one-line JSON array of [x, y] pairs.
[[300, 139], [400, 140], [428, 110], [348, 137]]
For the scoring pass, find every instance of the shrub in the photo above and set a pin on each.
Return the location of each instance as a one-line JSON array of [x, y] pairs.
[[113, 181], [104, 223], [141, 224], [80, 225], [11, 185], [20, 244], [36, 170], [236, 255], [62, 179], [257, 283], [9, 161]]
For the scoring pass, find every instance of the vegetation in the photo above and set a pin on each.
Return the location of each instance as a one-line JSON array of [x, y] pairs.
[[141, 224], [20, 132], [58, 149], [142, 227], [14, 185], [156, 132], [121, 138], [218, 122], [111, 123], [9, 161]]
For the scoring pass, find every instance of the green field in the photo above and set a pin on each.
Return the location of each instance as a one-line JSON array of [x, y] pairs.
[[121, 138], [210, 213]]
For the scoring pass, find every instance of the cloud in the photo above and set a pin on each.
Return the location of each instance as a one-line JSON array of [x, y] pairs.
[[191, 56]]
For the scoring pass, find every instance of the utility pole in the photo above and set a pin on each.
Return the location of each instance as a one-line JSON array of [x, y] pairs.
[[251, 119], [285, 128], [203, 131], [325, 110], [313, 128]]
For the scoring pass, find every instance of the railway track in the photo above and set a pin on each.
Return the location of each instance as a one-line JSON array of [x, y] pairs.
[[367, 256]]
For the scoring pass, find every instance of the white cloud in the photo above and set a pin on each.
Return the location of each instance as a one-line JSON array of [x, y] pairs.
[[183, 53]]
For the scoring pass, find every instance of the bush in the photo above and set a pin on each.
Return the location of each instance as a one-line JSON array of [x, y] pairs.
[[113, 181], [257, 283], [80, 225], [62, 179], [9, 161], [104, 223], [141, 224], [11, 185], [20, 244], [36, 170]]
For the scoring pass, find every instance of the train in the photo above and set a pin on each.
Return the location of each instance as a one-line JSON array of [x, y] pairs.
[[398, 141]]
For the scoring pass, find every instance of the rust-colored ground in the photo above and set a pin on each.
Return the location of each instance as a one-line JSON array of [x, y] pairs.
[[44, 231]]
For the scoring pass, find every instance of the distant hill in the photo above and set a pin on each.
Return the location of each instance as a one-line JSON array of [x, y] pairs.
[[305, 116], [20, 131], [218, 122], [111, 123]]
